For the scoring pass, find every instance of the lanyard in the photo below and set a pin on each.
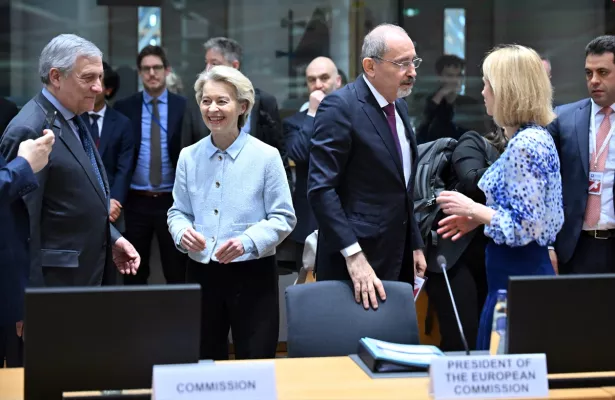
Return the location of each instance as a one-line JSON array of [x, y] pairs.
[[154, 118], [593, 138]]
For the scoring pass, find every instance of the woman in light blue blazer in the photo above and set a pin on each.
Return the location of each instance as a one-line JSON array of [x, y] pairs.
[[232, 207]]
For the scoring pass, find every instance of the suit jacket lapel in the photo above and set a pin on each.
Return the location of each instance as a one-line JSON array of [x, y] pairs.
[[409, 132], [69, 138], [254, 113], [581, 126], [173, 117], [410, 135], [378, 119], [107, 131]]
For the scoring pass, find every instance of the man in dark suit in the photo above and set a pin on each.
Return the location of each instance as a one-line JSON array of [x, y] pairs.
[[321, 78], [156, 117], [264, 122], [112, 133], [16, 180], [8, 110], [72, 242], [362, 165], [583, 136]]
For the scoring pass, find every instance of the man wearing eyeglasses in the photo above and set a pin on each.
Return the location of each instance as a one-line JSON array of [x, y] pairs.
[[447, 112], [156, 116], [362, 165]]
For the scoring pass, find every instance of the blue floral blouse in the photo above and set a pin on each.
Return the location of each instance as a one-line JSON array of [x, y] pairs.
[[524, 187]]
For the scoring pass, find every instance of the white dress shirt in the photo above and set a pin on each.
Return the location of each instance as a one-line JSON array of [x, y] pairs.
[[100, 119], [607, 213], [404, 143]]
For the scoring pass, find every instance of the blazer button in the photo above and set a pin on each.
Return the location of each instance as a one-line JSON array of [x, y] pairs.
[[216, 211], [217, 184]]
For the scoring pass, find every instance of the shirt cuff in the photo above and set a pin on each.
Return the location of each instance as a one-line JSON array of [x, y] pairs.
[[178, 242], [351, 250], [551, 247], [309, 114], [247, 243]]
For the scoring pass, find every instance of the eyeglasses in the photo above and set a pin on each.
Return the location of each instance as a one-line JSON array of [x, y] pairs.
[[156, 68], [404, 66]]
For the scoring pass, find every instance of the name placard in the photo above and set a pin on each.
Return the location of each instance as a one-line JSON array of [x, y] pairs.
[[489, 377], [249, 380]]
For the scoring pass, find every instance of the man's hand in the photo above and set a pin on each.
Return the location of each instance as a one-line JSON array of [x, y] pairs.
[[19, 328], [193, 241], [115, 210], [315, 98], [420, 264], [125, 257], [365, 281], [230, 250], [553, 257], [36, 152]]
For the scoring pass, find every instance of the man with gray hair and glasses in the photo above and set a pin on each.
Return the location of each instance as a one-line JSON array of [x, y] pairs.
[[72, 242], [264, 122], [362, 165]]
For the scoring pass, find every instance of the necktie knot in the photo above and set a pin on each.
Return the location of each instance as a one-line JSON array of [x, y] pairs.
[[389, 110], [94, 116], [154, 101], [606, 111]]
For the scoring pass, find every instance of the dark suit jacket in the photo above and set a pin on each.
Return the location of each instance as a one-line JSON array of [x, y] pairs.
[[132, 108], [16, 180], [70, 233], [8, 111], [471, 158], [570, 131], [265, 125], [298, 131], [356, 185], [117, 151]]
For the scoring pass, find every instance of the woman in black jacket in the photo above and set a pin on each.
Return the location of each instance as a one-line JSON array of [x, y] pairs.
[[471, 158]]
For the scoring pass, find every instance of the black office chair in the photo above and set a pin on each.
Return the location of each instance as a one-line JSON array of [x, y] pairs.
[[324, 319]]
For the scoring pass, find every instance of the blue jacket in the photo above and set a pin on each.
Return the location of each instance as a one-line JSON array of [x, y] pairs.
[[16, 180]]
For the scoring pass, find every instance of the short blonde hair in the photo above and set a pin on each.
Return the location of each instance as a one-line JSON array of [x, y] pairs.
[[521, 87], [244, 91]]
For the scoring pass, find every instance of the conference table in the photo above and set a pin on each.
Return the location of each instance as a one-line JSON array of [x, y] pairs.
[[330, 378]]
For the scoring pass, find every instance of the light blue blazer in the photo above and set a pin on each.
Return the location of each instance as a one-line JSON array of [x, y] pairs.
[[238, 193]]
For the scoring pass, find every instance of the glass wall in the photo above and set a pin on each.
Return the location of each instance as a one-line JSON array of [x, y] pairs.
[[281, 36]]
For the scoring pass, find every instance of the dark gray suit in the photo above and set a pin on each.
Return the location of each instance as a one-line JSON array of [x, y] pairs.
[[70, 234]]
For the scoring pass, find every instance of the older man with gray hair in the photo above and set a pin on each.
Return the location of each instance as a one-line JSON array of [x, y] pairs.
[[72, 242], [362, 165]]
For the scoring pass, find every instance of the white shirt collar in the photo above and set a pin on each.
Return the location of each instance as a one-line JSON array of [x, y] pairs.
[[379, 98], [101, 112], [596, 108]]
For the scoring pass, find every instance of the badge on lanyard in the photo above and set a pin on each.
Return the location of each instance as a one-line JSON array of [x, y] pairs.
[[595, 183]]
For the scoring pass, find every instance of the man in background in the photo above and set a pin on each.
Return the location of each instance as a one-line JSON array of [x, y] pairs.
[[447, 112], [156, 116], [112, 134], [321, 78]]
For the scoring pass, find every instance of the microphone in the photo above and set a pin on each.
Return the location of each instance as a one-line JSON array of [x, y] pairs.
[[442, 264]]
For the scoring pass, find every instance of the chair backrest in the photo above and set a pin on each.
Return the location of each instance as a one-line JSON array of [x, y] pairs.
[[324, 319]]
